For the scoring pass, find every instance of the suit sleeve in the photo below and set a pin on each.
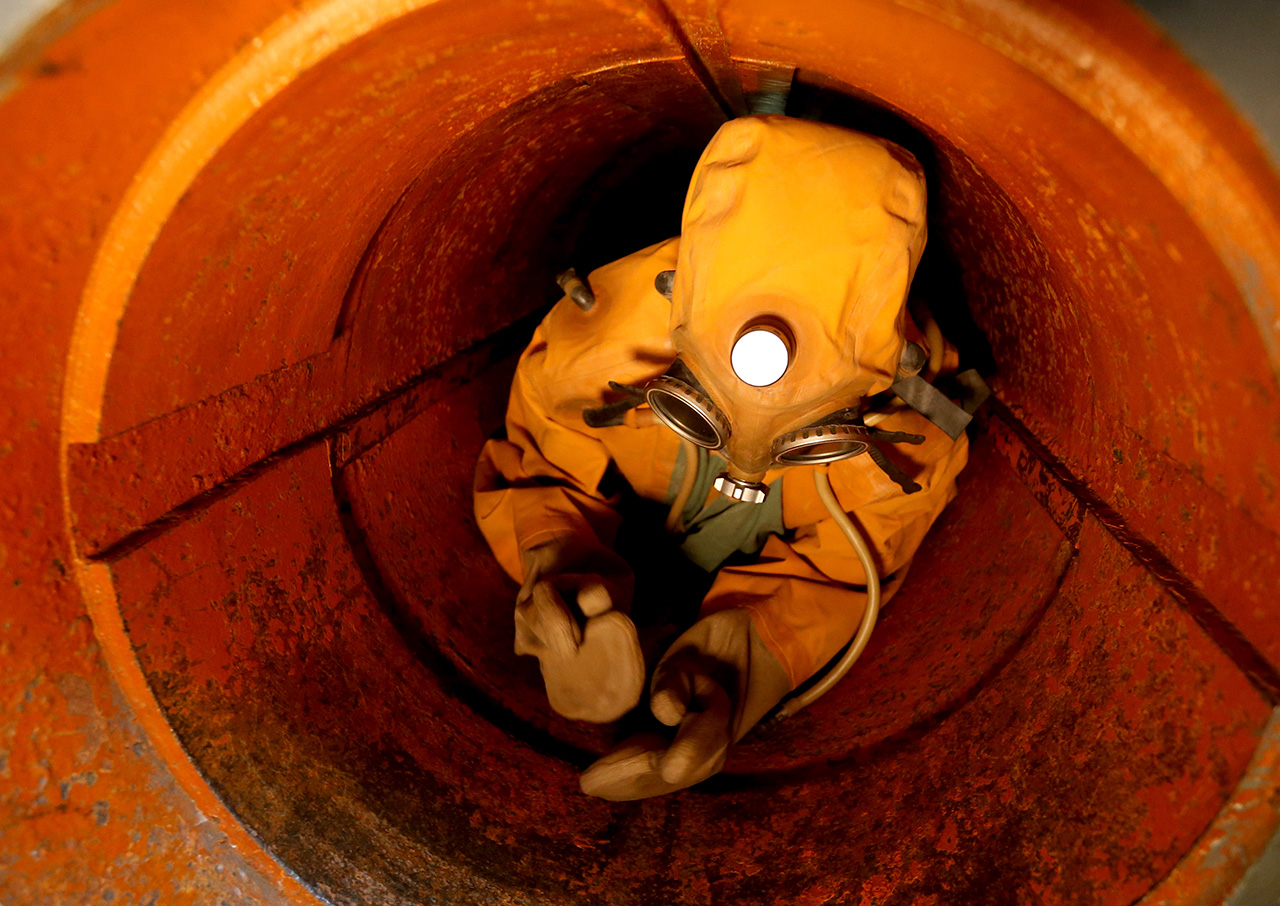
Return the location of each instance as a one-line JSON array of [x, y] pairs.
[[542, 481], [807, 595]]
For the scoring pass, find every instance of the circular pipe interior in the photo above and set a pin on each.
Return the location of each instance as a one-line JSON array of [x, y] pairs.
[[326, 322]]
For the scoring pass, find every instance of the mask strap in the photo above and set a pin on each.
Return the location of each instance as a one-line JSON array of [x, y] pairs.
[[931, 402], [612, 414], [890, 468]]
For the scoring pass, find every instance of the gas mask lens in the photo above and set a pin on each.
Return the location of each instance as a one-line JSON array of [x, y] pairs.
[[819, 444], [678, 400], [683, 406]]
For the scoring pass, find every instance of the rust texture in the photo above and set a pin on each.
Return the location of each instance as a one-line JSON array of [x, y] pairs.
[[1105, 729], [1067, 498], [263, 279], [1209, 873], [135, 481]]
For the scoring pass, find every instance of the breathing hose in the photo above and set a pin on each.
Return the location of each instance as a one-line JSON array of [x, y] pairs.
[[675, 520], [863, 635]]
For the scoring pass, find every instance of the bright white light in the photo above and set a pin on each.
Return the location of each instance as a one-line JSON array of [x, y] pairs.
[[759, 358]]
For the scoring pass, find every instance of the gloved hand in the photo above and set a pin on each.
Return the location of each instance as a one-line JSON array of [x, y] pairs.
[[569, 615], [714, 684]]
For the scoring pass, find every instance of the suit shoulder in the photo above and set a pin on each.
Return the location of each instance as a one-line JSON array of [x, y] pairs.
[[624, 337]]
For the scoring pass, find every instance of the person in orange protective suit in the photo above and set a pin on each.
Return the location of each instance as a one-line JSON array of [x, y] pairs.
[[770, 352]]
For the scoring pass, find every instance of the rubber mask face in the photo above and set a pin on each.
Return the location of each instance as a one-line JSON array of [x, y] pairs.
[[798, 244]]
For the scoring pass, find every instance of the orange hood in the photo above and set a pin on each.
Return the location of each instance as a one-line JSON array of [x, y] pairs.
[[811, 228]]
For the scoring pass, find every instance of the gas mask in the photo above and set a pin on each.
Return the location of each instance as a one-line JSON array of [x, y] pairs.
[[798, 245], [680, 401]]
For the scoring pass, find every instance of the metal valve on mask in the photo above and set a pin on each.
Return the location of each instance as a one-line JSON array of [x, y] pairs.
[[746, 491]]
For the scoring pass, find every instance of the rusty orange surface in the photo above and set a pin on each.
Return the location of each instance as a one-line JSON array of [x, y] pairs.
[[259, 259]]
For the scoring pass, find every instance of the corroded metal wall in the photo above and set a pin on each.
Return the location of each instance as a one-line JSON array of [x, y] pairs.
[[265, 267]]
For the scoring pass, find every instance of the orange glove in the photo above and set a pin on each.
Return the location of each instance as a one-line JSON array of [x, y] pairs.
[[569, 615], [714, 684]]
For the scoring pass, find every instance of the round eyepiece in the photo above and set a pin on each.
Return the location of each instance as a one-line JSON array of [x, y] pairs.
[[687, 412], [760, 356], [823, 443]]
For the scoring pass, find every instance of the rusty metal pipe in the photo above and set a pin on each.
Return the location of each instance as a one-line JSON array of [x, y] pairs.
[[265, 277]]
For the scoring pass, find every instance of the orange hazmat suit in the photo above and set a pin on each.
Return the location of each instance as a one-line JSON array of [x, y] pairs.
[[814, 232]]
